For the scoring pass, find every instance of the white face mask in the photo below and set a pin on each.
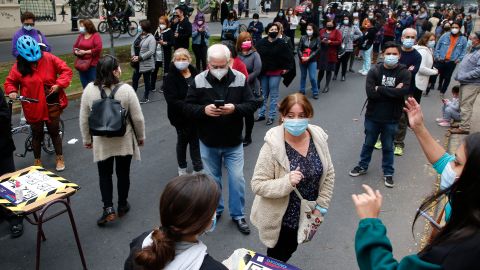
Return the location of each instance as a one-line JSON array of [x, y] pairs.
[[81, 29], [219, 73], [181, 65], [163, 26], [309, 32], [454, 31], [448, 177]]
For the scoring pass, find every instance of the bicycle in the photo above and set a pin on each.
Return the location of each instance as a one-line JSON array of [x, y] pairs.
[[23, 127], [117, 27]]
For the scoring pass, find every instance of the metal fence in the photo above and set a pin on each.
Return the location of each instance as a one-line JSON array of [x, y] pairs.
[[44, 10]]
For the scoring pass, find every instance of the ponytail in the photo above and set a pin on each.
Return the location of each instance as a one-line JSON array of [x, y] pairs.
[[159, 254]]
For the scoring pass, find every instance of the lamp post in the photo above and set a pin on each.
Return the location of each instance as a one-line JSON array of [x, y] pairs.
[[74, 17]]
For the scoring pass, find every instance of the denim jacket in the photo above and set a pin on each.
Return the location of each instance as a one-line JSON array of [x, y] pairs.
[[230, 26], [443, 44], [197, 37]]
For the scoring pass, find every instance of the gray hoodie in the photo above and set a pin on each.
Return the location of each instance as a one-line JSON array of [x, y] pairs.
[[469, 69]]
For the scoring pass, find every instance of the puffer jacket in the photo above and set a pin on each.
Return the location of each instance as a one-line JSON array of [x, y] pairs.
[[271, 182], [49, 71], [425, 70]]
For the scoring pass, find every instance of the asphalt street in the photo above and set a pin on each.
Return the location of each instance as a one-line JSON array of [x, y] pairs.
[[64, 44], [338, 112]]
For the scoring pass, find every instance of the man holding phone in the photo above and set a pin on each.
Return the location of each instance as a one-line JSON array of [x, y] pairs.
[[218, 99]]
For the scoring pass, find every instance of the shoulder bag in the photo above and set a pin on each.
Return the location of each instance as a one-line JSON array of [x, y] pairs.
[[309, 223]]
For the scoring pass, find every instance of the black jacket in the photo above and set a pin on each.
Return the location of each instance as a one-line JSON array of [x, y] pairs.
[[223, 11], [136, 245], [175, 92], [222, 131], [385, 101], [366, 41], [313, 45], [184, 30], [166, 36], [6, 142], [276, 55]]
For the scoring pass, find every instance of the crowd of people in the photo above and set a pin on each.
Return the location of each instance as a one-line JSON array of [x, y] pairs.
[[403, 51]]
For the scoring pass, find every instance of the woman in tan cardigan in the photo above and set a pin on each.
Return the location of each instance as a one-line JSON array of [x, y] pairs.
[[295, 154], [110, 150]]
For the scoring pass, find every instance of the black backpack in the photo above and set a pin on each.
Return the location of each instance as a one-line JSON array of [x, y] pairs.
[[108, 118]]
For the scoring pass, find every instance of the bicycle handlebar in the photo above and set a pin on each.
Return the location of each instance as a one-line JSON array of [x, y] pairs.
[[25, 99]]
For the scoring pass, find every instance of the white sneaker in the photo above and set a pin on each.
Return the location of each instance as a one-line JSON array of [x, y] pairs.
[[364, 73], [202, 171], [182, 171]]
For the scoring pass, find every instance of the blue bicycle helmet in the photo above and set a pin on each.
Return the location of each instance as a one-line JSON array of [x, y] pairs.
[[28, 48]]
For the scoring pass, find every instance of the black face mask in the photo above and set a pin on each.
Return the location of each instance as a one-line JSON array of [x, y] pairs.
[[330, 27], [272, 34]]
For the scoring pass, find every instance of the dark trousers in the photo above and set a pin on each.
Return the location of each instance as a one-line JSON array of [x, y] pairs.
[[386, 131], [291, 35], [403, 123], [188, 136], [286, 245], [445, 69], [343, 61], [200, 52], [147, 77], [249, 122], [53, 127], [6, 164], [153, 80], [328, 77], [87, 76], [105, 172]]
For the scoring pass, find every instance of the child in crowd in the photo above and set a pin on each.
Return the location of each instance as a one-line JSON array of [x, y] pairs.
[[450, 109]]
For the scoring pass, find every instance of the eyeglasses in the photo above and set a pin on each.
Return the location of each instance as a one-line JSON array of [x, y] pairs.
[[430, 219]]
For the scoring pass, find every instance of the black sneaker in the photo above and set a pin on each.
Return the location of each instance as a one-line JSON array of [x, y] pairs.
[[107, 216], [388, 181], [357, 171], [123, 209], [260, 118], [247, 142], [144, 101], [242, 225]]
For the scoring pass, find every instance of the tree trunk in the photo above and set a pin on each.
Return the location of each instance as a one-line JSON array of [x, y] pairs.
[[155, 9]]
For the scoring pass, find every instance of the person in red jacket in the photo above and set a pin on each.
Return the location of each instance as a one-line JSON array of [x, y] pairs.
[[330, 40], [42, 76], [389, 28], [87, 49]]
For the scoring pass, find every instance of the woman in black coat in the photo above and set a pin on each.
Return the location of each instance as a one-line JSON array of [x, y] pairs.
[[163, 54], [6, 159], [179, 78]]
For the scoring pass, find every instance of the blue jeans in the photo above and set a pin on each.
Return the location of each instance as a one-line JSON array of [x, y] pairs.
[[367, 59], [88, 76], [233, 159], [270, 86], [311, 68], [387, 133]]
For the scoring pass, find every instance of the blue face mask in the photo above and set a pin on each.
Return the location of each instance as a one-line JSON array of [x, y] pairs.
[[469, 43], [408, 43], [296, 127], [391, 60], [28, 27], [214, 224]]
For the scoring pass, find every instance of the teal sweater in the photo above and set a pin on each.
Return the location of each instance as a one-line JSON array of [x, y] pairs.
[[374, 250]]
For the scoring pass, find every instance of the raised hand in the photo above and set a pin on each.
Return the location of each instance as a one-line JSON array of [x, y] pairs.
[[368, 204], [414, 112]]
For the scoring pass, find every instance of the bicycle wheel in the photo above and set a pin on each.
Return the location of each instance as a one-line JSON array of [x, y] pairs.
[[102, 27], [116, 29], [47, 144], [132, 28]]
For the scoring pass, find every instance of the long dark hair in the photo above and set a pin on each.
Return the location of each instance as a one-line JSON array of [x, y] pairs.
[[24, 67], [463, 197], [105, 67], [187, 206]]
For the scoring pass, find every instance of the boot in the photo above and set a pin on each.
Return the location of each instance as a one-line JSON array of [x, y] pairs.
[[374, 57], [37, 162], [60, 165]]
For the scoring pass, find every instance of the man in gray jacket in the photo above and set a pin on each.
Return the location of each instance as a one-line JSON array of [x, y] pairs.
[[468, 75]]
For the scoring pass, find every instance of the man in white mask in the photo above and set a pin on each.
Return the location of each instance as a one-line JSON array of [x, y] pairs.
[[28, 28], [217, 100]]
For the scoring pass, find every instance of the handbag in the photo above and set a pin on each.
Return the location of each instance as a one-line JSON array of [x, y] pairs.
[[82, 64], [258, 96], [309, 223]]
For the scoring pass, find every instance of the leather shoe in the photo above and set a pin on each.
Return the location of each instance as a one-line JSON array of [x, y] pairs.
[[242, 225]]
